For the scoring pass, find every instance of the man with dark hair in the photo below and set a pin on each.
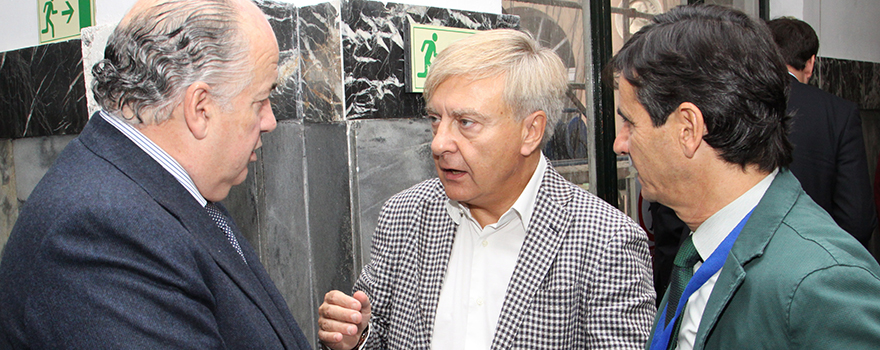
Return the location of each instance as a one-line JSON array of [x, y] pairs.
[[702, 97], [829, 154], [121, 245]]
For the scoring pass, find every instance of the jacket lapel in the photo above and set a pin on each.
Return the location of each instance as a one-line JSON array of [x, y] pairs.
[[437, 247], [548, 225], [756, 234], [105, 141]]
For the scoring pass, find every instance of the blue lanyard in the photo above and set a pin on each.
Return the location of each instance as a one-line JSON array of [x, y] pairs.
[[709, 268]]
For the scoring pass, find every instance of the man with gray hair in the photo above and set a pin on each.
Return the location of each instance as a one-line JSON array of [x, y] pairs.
[[122, 245], [500, 251]]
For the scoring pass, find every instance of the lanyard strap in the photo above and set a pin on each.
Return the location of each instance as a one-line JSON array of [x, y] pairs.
[[709, 268]]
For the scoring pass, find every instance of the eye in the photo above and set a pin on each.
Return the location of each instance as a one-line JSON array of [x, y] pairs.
[[466, 122], [433, 119]]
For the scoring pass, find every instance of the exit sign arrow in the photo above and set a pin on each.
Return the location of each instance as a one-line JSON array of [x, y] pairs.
[[68, 12]]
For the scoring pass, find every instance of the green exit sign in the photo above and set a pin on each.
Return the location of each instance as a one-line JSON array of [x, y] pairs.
[[425, 42], [63, 19]]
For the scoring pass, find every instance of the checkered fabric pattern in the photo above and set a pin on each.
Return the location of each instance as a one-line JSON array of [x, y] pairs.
[[582, 279], [223, 223]]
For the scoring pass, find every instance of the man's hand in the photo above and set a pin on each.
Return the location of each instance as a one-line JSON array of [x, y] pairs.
[[343, 319]]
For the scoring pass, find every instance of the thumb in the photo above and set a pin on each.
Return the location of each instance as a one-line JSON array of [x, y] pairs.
[[364, 300]]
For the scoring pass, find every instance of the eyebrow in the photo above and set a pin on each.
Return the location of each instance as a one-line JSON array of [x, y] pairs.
[[458, 113], [622, 115]]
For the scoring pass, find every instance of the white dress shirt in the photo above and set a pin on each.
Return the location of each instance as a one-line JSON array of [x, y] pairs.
[[479, 270], [158, 154], [706, 239]]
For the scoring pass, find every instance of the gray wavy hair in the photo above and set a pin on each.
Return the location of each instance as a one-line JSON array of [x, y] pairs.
[[151, 59], [535, 77]]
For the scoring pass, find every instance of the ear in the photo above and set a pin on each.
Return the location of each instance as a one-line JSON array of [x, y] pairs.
[[808, 69], [533, 132], [197, 105], [691, 128]]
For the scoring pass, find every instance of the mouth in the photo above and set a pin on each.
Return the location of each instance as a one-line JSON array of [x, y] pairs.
[[452, 174], [253, 157]]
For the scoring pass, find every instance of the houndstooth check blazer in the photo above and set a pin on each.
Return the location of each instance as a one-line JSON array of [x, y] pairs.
[[582, 279]]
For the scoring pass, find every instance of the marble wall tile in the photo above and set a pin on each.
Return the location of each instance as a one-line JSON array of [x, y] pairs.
[[871, 99], [855, 81], [374, 55], [8, 198], [329, 208], [286, 102], [94, 40], [321, 49], [42, 92], [284, 242], [34, 156], [390, 155]]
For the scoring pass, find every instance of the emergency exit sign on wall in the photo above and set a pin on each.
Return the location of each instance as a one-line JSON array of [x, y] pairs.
[[63, 19], [425, 42]]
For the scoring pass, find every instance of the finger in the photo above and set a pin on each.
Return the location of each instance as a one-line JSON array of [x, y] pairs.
[[336, 297], [334, 326], [335, 340], [329, 338], [339, 313]]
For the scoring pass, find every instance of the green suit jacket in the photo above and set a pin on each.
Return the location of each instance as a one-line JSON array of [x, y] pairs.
[[793, 280]]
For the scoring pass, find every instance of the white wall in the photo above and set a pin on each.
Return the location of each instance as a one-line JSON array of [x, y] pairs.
[[847, 29], [19, 18]]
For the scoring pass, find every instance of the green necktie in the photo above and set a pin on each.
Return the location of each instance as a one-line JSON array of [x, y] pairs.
[[681, 273]]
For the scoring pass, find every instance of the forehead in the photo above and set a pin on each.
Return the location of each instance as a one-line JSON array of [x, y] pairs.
[[463, 93], [628, 100]]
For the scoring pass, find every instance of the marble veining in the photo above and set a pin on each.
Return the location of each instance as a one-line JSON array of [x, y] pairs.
[[321, 49], [94, 40], [283, 19], [42, 92], [8, 199], [855, 81], [373, 50]]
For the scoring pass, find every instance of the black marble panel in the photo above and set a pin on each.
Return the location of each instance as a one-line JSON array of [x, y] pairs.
[[283, 18], [374, 56], [841, 78], [855, 81], [320, 50], [42, 91], [329, 203]]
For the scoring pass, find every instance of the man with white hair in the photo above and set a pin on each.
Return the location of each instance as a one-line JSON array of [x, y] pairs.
[[499, 251], [122, 244]]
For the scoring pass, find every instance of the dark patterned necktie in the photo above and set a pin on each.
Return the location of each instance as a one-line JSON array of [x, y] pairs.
[[223, 224], [682, 272]]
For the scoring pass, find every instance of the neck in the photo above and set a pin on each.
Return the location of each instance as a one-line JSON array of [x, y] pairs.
[[490, 212], [799, 74], [718, 189]]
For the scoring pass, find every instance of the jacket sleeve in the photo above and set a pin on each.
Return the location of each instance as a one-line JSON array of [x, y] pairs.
[[853, 206], [135, 291], [369, 281], [847, 301], [621, 308]]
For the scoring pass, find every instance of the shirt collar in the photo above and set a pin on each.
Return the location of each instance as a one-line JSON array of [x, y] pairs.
[[524, 205], [157, 153], [710, 234]]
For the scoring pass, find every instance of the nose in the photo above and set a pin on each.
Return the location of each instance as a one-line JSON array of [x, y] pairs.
[[621, 142], [267, 120], [444, 138]]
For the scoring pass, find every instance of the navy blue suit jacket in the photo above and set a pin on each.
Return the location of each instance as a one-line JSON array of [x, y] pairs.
[[110, 251], [829, 157]]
